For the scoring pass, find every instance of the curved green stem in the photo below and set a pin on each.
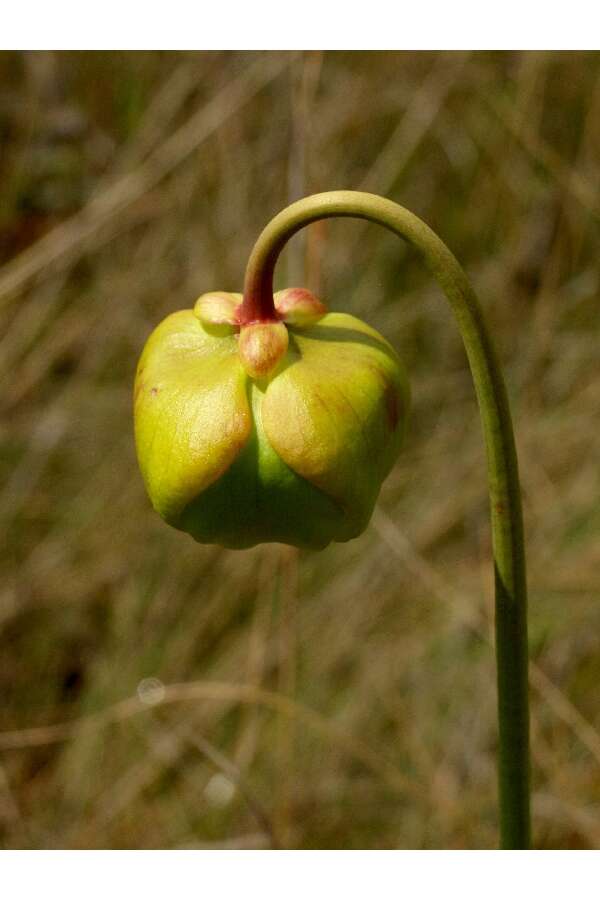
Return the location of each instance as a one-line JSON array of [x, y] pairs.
[[503, 477]]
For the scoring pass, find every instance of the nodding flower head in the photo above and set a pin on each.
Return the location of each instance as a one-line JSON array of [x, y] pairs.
[[276, 430]]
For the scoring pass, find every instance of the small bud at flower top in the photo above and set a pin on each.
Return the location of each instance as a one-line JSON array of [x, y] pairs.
[[297, 306], [218, 308], [261, 346]]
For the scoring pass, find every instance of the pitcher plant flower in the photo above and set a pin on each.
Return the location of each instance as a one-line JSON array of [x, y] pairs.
[[281, 429], [264, 417]]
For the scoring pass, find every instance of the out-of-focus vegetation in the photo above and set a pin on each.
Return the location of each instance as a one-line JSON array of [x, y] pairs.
[[342, 699]]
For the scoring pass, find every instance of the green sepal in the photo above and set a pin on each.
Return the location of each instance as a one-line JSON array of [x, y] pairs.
[[336, 412], [191, 411]]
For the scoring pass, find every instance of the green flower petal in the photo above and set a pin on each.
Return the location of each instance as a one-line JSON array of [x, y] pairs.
[[336, 412], [191, 411]]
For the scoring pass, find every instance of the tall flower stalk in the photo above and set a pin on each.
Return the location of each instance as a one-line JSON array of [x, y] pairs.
[[503, 478]]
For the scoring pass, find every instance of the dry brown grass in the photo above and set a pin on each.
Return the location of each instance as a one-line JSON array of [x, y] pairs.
[[340, 699]]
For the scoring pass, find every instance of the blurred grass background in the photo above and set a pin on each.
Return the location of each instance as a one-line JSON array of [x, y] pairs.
[[159, 693]]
